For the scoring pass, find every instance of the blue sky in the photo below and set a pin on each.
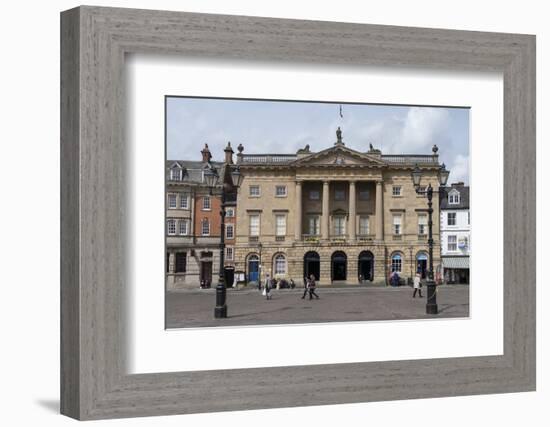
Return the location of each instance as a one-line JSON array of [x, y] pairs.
[[284, 127]]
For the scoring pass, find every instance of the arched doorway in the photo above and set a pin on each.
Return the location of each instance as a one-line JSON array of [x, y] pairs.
[[312, 264], [422, 264], [253, 268], [365, 266], [339, 263]]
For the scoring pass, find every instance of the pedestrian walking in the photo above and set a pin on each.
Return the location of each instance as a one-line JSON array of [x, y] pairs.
[[417, 286], [312, 287], [306, 287], [267, 287]]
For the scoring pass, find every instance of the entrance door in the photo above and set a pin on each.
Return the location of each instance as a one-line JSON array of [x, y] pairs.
[[422, 264], [229, 276], [253, 268], [312, 265], [366, 266], [463, 276], [339, 266], [206, 273]]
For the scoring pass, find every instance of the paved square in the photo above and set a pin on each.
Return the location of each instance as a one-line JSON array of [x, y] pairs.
[[195, 308]]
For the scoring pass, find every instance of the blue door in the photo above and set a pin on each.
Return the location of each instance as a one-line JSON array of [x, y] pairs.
[[253, 268]]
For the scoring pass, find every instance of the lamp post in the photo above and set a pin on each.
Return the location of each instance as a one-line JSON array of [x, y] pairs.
[[442, 176], [411, 260], [212, 177], [260, 265]]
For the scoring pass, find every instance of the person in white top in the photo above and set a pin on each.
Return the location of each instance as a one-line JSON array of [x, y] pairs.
[[417, 286]]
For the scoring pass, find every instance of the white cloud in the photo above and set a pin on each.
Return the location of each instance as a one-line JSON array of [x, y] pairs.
[[459, 170], [424, 127], [411, 130]]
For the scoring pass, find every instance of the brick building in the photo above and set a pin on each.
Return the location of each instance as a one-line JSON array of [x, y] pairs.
[[192, 224]]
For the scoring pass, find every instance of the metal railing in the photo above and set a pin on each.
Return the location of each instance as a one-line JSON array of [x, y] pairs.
[[268, 158], [410, 158]]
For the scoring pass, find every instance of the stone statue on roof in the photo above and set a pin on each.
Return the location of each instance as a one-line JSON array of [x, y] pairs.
[[303, 150]]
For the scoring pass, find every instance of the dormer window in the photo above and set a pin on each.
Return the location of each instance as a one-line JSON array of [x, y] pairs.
[[175, 174], [454, 197]]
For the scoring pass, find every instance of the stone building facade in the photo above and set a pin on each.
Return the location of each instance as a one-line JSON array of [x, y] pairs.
[[343, 215]]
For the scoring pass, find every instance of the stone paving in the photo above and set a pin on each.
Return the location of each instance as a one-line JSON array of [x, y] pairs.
[[195, 308]]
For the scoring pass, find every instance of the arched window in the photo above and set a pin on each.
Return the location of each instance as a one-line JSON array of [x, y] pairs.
[[396, 263], [279, 264]]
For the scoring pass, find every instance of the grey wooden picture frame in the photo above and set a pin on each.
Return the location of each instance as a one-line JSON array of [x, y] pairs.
[[94, 381]]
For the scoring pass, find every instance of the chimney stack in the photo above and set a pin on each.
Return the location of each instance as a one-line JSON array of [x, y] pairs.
[[206, 155], [228, 154]]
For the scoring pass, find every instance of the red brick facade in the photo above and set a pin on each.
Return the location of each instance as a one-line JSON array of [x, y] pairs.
[[212, 215]]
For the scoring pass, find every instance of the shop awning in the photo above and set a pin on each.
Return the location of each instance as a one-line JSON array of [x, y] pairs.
[[456, 262]]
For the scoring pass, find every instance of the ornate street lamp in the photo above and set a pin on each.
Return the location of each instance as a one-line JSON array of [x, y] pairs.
[[237, 177], [211, 178], [442, 176]]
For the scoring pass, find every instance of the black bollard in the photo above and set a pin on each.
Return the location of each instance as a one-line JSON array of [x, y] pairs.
[[431, 302], [220, 312]]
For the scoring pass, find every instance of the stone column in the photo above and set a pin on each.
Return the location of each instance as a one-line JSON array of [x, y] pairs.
[[379, 210], [352, 211], [172, 263], [325, 214], [298, 212]]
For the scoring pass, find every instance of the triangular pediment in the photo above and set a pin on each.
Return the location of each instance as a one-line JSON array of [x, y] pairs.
[[339, 155]]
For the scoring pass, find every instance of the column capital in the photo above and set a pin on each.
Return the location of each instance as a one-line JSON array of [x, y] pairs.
[[379, 181], [326, 182]]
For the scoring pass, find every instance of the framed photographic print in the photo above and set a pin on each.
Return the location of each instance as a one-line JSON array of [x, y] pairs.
[[277, 213], [342, 220]]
